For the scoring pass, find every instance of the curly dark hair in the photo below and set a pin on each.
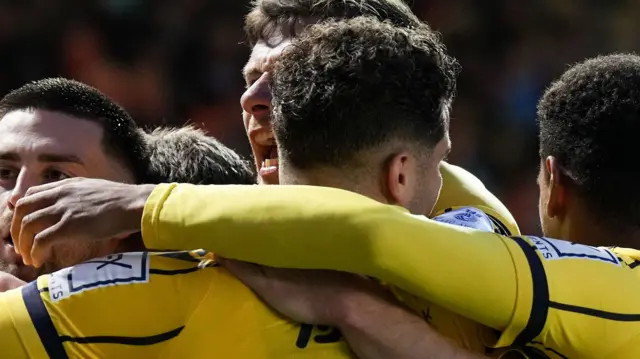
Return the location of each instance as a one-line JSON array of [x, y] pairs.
[[589, 120], [347, 86], [121, 138], [269, 15]]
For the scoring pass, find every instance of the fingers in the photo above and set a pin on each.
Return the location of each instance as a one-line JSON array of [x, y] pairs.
[[51, 185], [35, 198], [25, 206], [25, 231], [43, 241]]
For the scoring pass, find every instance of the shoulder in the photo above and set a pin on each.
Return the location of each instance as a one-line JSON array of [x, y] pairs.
[[460, 188], [480, 217], [469, 217]]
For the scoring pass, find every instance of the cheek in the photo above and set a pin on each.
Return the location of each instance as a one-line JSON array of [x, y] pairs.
[[246, 117], [6, 214], [435, 182], [5, 196], [432, 188]]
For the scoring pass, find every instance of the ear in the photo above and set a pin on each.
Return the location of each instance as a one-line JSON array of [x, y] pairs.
[[400, 179], [556, 188]]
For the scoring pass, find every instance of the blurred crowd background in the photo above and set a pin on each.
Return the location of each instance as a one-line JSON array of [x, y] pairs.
[[178, 61]]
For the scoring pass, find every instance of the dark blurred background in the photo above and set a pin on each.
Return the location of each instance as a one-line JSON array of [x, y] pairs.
[[178, 61]]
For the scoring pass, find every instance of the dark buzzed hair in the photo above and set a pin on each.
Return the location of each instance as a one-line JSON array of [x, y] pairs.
[[188, 155], [589, 121], [268, 15], [347, 86], [121, 138]]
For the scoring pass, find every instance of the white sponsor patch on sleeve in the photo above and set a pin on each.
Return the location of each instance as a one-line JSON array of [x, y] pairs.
[[117, 269], [469, 217], [553, 249]]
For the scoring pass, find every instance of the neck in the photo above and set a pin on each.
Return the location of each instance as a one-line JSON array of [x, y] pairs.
[[585, 229], [334, 178]]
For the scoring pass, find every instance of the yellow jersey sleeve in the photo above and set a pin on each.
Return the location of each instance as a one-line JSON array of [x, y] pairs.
[[314, 227], [460, 188], [582, 303], [553, 297]]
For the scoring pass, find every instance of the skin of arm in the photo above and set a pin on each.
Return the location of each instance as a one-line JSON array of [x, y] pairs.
[[376, 329], [370, 318]]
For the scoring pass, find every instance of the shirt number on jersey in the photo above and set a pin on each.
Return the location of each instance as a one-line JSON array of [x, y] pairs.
[[117, 269], [328, 335], [552, 249]]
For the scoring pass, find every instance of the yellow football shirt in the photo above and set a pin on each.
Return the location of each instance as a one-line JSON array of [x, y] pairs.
[[460, 188], [557, 298], [144, 305]]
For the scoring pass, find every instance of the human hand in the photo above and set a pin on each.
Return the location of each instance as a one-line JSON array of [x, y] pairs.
[[307, 296], [75, 209]]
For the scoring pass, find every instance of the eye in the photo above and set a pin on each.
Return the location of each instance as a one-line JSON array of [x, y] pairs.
[[8, 173], [53, 175], [249, 82], [252, 77]]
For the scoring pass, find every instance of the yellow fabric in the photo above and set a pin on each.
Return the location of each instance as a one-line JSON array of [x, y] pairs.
[[226, 217], [176, 308], [18, 337], [556, 296], [461, 189]]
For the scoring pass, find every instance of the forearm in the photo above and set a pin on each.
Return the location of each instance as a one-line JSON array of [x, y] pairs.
[[378, 329], [321, 228]]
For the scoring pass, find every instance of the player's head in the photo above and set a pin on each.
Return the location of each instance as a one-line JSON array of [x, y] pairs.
[[589, 120], [371, 114], [54, 129], [270, 26], [188, 155]]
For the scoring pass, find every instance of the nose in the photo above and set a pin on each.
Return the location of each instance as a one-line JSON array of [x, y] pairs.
[[23, 183], [256, 100]]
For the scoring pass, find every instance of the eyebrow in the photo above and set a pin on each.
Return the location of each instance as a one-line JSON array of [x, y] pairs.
[[45, 157]]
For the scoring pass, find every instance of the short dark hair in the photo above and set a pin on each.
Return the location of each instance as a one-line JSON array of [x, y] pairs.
[[347, 86], [188, 155], [268, 15], [590, 121], [121, 137]]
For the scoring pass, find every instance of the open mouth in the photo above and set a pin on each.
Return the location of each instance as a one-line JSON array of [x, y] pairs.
[[269, 162]]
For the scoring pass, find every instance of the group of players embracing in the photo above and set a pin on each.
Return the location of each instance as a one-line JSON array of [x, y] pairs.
[[371, 239]]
